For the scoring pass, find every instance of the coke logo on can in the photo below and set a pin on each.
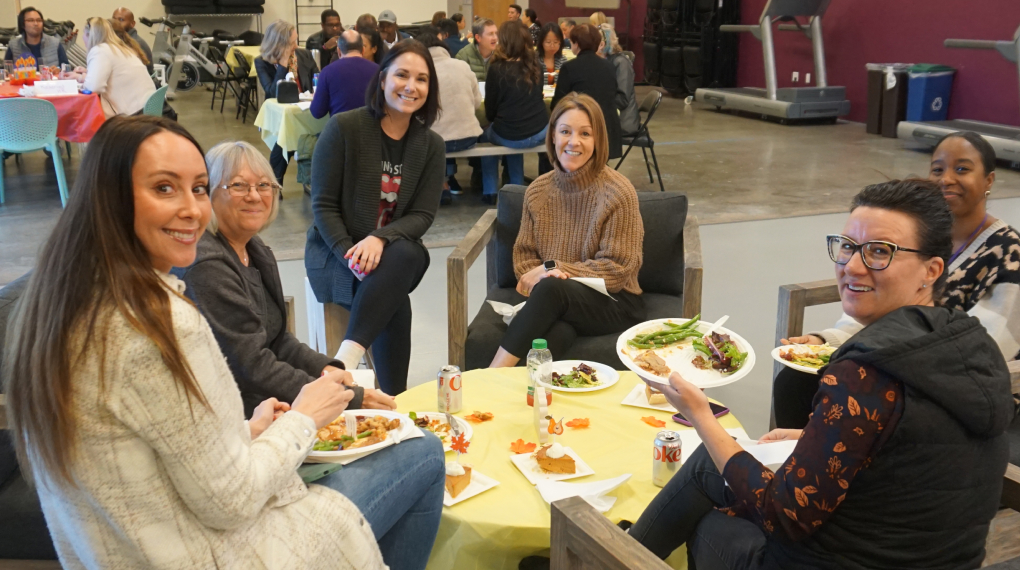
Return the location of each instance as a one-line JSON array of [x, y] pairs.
[[667, 455]]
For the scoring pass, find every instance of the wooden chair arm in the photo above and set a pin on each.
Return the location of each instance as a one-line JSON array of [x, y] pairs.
[[1011, 487], [694, 268], [457, 265], [288, 301], [1014, 375], [3, 411], [582, 538]]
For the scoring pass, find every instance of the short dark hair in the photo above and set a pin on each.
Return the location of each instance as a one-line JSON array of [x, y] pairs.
[[376, 40], [21, 18], [518, 8], [449, 27], [366, 22], [979, 143], [375, 99], [586, 36], [345, 46], [533, 16], [328, 13], [429, 37], [571, 23], [923, 201], [458, 17]]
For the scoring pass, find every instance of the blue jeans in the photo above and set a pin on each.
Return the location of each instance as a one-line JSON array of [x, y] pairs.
[[514, 162], [399, 490], [457, 146]]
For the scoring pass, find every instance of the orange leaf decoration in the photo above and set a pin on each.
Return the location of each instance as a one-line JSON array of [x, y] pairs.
[[840, 448], [459, 444], [802, 499], [520, 446], [479, 417], [853, 406], [579, 423], [652, 421]]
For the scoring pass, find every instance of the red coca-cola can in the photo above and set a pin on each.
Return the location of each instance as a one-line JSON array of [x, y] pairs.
[[450, 394], [665, 457]]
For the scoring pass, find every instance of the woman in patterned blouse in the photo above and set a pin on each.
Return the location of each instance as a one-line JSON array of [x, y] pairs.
[[905, 449], [984, 270]]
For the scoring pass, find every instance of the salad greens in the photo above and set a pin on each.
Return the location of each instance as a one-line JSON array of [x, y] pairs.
[[580, 376], [339, 444], [722, 353]]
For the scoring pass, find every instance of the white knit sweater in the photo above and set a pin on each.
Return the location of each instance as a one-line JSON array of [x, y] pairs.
[[459, 97], [162, 485]]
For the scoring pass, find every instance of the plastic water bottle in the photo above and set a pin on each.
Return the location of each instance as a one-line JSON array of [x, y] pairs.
[[539, 369], [315, 82]]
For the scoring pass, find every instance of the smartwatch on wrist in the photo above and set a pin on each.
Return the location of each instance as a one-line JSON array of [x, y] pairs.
[[550, 265]]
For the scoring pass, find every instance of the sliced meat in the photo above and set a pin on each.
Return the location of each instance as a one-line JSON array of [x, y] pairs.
[[653, 363]]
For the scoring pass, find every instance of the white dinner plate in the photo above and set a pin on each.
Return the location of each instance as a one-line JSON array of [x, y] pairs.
[[465, 427], [638, 399], [479, 484], [533, 473], [784, 362], [405, 426], [678, 357], [606, 375]]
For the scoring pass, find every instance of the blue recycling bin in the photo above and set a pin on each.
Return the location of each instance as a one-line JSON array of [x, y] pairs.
[[928, 92]]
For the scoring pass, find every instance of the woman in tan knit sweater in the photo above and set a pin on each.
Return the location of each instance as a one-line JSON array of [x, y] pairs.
[[580, 220]]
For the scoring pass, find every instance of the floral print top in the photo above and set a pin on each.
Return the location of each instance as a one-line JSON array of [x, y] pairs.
[[855, 411]]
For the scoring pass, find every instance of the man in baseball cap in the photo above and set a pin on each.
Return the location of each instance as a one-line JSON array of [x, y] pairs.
[[388, 28]]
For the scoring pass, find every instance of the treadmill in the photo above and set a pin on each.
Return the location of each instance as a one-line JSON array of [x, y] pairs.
[[788, 103], [1003, 138]]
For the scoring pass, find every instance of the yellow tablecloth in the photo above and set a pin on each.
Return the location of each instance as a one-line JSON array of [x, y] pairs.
[[286, 123], [247, 52], [499, 527]]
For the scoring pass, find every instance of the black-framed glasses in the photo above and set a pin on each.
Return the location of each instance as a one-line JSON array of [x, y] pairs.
[[241, 189], [876, 254]]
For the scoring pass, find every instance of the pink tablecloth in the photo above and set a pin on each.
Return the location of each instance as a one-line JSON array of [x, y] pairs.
[[78, 116]]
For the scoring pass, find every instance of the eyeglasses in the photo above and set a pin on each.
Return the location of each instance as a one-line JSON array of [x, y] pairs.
[[33, 21], [876, 255], [241, 189]]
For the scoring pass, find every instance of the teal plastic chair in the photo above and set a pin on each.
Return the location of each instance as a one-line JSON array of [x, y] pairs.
[[154, 106], [31, 124]]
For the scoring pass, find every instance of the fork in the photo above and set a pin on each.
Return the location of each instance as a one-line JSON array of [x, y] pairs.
[[454, 427], [352, 425]]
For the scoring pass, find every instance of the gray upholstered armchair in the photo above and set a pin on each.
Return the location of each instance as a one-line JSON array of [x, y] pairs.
[[670, 276]]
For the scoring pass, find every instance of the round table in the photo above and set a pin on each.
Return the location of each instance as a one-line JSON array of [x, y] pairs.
[[285, 123], [78, 116], [499, 527]]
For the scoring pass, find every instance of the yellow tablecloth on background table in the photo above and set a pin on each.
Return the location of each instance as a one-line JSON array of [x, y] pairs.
[[499, 527], [286, 123], [247, 52]]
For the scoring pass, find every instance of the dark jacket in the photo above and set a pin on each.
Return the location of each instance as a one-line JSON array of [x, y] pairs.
[[346, 181], [455, 44], [927, 497], [270, 73], [9, 296], [626, 102], [590, 74], [316, 41], [264, 366]]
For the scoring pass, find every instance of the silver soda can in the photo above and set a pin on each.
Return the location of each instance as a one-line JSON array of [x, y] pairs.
[[450, 394], [665, 457]]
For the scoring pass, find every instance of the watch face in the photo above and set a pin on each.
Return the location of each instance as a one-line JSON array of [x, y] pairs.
[[549, 265]]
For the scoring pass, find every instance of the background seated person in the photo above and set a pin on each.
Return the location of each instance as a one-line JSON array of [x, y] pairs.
[[235, 283], [325, 39], [115, 71], [479, 54], [580, 220], [342, 84], [377, 176], [126, 18], [984, 270], [901, 464], [451, 30], [47, 50], [280, 56]]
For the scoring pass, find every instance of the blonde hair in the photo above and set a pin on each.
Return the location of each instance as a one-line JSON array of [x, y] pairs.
[[224, 161], [585, 103], [100, 31], [598, 18], [130, 42], [275, 42]]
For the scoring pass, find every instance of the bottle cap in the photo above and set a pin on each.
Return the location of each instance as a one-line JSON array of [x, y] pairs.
[[539, 344]]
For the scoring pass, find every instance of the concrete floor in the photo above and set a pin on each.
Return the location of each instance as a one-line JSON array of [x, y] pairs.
[[764, 193]]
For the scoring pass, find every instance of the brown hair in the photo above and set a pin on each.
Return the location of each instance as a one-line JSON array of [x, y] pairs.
[[516, 48], [438, 17], [586, 36], [375, 97], [91, 265], [585, 103]]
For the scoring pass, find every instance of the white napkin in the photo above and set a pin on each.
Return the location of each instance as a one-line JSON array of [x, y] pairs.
[[363, 377], [304, 105], [769, 453], [593, 493], [689, 441], [596, 283], [508, 311]]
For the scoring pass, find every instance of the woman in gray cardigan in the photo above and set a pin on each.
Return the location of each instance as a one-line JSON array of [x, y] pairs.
[[377, 177], [235, 283]]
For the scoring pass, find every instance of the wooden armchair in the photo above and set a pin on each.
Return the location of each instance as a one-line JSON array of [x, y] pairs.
[[671, 276], [1003, 543], [584, 539]]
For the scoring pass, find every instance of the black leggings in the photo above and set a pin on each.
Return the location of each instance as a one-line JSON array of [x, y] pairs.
[[559, 309], [278, 161], [381, 311], [792, 394], [684, 513]]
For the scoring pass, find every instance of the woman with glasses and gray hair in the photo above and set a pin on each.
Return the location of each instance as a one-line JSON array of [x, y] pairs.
[[236, 284]]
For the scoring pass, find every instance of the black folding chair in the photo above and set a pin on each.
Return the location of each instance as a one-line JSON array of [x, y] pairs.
[[248, 93], [643, 138]]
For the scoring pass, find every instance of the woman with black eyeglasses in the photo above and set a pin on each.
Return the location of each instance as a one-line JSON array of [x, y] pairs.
[[906, 445], [983, 271]]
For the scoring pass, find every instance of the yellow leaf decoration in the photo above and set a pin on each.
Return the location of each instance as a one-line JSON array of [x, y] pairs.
[[853, 406]]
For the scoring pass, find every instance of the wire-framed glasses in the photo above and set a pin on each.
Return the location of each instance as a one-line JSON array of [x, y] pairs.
[[241, 189], [876, 255]]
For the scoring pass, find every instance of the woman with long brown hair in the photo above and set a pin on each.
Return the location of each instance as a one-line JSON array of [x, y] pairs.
[[122, 407], [513, 104]]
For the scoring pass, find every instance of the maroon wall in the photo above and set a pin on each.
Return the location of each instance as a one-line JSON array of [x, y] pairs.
[[880, 31], [553, 10]]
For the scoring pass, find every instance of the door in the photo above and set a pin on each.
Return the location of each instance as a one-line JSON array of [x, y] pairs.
[[494, 10]]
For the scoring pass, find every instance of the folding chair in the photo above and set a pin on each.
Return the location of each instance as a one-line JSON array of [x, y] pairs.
[[643, 138]]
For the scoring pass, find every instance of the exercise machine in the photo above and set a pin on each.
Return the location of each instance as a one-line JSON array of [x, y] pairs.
[[188, 65], [789, 103], [1003, 138]]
